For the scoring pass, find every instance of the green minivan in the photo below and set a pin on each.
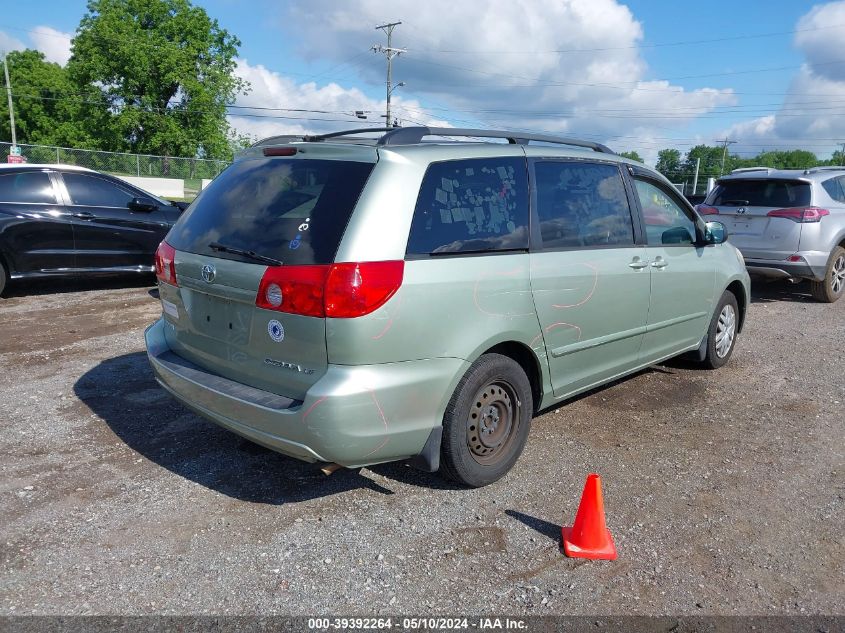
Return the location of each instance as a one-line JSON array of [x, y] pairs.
[[421, 295]]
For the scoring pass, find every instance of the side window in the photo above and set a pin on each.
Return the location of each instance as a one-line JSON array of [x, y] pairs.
[[582, 204], [473, 205], [29, 186], [95, 192], [665, 221], [835, 188]]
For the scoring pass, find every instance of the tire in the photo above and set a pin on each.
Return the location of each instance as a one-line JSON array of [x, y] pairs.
[[3, 278], [832, 287], [495, 397], [721, 335]]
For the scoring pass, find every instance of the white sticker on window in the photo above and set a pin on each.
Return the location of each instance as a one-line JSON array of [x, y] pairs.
[[445, 216], [441, 196]]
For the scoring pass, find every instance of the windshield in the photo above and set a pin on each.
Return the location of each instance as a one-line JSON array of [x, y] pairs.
[[287, 209]]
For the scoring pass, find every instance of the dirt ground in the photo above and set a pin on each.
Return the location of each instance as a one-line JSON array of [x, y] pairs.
[[723, 490]]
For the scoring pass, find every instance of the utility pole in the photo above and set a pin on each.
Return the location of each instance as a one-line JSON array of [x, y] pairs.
[[9, 97], [695, 180], [726, 142], [390, 53]]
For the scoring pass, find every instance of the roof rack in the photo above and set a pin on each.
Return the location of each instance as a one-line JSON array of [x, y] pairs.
[[813, 170], [414, 135], [741, 170]]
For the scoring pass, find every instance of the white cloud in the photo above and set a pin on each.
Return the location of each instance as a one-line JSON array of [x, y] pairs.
[[301, 108], [53, 43], [813, 111], [500, 70], [9, 43]]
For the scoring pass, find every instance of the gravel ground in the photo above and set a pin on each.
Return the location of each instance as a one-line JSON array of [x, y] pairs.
[[723, 490]]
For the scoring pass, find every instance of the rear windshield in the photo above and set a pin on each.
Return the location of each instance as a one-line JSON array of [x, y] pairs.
[[291, 210], [761, 193]]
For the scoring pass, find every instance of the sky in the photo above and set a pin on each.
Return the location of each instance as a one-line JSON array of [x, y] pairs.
[[640, 75]]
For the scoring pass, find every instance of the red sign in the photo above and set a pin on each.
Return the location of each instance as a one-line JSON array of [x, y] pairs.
[[15, 159]]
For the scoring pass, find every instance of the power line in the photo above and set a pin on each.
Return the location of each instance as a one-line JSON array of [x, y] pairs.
[[709, 40]]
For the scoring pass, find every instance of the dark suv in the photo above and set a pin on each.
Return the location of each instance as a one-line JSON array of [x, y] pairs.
[[59, 220]]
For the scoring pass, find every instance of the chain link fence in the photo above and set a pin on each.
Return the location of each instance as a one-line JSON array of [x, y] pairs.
[[192, 170]]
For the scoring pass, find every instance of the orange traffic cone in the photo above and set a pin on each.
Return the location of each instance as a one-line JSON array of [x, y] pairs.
[[589, 536]]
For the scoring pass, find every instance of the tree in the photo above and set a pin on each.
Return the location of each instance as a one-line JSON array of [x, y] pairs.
[[632, 155], [45, 108], [158, 75], [669, 163]]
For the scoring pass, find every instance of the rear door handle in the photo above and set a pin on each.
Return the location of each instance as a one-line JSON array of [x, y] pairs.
[[638, 264], [659, 263], [83, 215]]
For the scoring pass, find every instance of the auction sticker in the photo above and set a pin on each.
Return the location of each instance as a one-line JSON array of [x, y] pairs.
[[276, 331], [170, 308]]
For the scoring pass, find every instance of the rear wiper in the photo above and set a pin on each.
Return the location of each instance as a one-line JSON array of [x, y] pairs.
[[217, 246], [735, 203]]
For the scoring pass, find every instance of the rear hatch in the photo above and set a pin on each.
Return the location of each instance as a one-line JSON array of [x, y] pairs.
[[262, 215], [760, 214]]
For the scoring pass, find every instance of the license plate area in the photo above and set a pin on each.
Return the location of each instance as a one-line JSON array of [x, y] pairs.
[[219, 318]]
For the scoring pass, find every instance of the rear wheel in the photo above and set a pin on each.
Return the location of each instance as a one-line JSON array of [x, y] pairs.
[[486, 422], [832, 286], [722, 333]]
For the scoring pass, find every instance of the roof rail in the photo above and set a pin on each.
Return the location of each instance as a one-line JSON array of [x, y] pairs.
[[741, 170], [414, 135], [813, 170]]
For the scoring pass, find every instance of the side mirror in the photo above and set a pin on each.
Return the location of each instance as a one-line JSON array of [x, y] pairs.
[[715, 233], [143, 205], [676, 235]]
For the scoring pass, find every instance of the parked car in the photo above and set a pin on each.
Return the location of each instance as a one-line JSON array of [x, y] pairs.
[[359, 302], [789, 224], [60, 220]]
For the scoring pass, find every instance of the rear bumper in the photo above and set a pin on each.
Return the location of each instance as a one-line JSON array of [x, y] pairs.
[[808, 269], [354, 415]]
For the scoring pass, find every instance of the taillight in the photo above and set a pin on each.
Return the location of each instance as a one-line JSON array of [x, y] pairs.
[[345, 290], [800, 214], [293, 289], [354, 289], [706, 209], [165, 263]]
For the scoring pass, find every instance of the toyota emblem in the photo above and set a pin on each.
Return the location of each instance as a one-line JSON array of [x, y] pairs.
[[208, 273]]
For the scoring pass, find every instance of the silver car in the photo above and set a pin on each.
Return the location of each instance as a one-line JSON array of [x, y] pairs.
[[788, 224]]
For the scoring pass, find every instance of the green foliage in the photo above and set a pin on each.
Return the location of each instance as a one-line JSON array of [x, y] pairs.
[[158, 75], [669, 163], [46, 112], [632, 155]]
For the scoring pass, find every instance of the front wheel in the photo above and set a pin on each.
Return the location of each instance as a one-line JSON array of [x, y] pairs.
[[721, 336], [486, 422], [832, 286]]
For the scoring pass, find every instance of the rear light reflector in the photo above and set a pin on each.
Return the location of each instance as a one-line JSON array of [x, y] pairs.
[[293, 289], [355, 289], [795, 258], [705, 209], [279, 151], [165, 263], [800, 214], [342, 291]]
